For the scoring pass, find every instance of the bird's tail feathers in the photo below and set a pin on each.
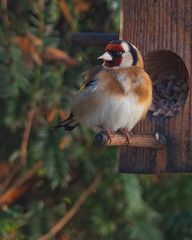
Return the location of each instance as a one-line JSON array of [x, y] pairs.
[[69, 124]]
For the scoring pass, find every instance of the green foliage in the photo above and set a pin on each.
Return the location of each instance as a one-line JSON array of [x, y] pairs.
[[11, 220], [171, 196]]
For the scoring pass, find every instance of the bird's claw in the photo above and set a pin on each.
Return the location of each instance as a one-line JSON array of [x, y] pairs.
[[126, 133], [110, 134]]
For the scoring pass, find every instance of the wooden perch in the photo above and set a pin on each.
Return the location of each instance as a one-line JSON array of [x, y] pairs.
[[93, 39], [143, 141]]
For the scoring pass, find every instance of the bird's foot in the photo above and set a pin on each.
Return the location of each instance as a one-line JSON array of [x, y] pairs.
[[110, 134], [126, 133]]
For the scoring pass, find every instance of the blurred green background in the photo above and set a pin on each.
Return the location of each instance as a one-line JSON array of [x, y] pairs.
[[46, 177]]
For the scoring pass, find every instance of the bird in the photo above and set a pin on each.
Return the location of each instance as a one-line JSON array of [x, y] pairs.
[[115, 95]]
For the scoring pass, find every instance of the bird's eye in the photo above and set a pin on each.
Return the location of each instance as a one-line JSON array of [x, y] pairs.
[[116, 54], [119, 53]]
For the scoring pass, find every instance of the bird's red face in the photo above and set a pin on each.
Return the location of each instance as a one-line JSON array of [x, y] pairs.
[[119, 54], [115, 51]]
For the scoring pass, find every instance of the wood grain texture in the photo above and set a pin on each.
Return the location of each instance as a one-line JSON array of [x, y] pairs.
[[161, 25], [142, 141]]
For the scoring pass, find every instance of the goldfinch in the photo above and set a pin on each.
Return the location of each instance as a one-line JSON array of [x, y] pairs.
[[115, 95]]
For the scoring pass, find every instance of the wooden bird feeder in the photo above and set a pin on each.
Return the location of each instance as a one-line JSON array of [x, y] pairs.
[[162, 31]]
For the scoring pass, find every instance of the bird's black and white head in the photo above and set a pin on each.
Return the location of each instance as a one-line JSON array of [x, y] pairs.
[[120, 54]]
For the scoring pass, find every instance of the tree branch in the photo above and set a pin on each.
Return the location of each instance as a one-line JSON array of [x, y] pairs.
[[11, 176], [5, 15], [18, 189], [26, 134], [67, 217], [23, 149]]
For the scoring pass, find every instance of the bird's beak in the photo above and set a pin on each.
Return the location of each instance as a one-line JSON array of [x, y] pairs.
[[106, 57]]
